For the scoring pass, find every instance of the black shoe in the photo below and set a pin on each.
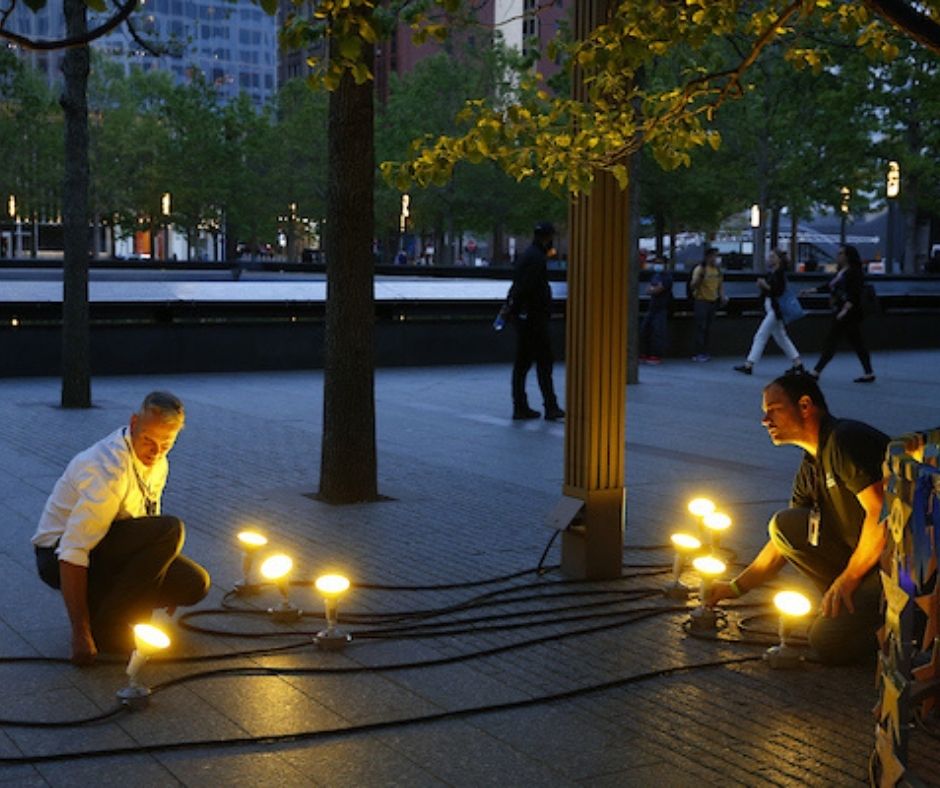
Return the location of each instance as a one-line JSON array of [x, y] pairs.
[[520, 414], [870, 378], [744, 368], [554, 414]]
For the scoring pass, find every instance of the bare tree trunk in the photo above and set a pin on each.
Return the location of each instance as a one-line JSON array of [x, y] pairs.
[[76, 354], [794, 239], [348, 468]]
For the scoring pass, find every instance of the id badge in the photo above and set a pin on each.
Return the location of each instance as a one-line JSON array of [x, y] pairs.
[[813, 536]]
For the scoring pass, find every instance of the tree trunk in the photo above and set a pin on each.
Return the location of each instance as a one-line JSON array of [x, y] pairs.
[[794, 239], [633, 274], [76, 355], [348, 468]]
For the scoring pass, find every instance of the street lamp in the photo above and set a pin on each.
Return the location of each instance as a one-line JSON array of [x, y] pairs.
[[892, 192], [758, 239], [845, 194], [165, 210]]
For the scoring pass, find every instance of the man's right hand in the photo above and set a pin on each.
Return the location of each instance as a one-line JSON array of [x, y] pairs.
[[84, 649], [719, 591]]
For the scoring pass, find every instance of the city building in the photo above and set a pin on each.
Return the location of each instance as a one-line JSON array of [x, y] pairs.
[[234, 46]]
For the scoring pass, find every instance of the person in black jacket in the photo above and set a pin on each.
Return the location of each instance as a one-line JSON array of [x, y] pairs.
[[530, 299], [772, 325], [845, 290]]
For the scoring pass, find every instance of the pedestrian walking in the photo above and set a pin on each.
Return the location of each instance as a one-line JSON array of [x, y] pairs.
[[773, 325], [846, 290], [530, 303]]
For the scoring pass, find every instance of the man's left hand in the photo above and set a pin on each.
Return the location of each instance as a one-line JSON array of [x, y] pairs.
[[838, 596]]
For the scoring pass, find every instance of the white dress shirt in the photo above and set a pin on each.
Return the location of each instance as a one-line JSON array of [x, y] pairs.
[[104, 483]]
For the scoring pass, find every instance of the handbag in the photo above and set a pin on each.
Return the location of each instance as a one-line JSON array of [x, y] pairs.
[[790, 307]]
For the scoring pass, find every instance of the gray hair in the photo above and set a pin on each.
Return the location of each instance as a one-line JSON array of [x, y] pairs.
[[164, 406]]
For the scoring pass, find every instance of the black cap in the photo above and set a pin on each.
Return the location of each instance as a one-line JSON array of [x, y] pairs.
[[544, 228]]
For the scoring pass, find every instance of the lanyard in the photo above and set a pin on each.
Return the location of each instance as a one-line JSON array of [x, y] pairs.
[[150, 500]]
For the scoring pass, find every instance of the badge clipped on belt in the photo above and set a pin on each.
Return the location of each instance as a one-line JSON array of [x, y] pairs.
[[813, 536]]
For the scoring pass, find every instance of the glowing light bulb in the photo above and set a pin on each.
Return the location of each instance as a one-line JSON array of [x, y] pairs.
[[252, 540], [717, 521], [684, 543], [792, 603], [331, 588], [701, 506], [704, 617], [276, 567], [147, 640], [709, 565], [332, 585]]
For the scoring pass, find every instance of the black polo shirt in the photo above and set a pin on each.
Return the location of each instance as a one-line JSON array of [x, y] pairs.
[[848, 460]]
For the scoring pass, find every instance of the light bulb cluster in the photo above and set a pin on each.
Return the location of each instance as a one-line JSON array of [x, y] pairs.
[[276, 568], [710, 524]]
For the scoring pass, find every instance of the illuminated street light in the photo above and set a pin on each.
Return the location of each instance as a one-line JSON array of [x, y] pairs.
[[685, 544], [755, 216], [331, 588], [276, 568], [148, 639], [11, 207], [892, 192], [845, 194], [709, 567], [251, 542], [792, 605]]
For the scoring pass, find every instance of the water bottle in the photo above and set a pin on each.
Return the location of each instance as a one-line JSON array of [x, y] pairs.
[[500, 322]]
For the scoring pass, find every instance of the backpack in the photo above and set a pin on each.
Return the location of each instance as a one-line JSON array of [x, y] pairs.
[[689, 292]]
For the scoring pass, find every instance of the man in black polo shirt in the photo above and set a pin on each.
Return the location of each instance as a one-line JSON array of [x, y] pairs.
[[832, 531]]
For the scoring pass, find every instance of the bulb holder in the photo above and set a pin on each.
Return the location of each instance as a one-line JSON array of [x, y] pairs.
[[285, 613], [134, 696], [704, 619], [677, 590], [332, 639], [783, 657]]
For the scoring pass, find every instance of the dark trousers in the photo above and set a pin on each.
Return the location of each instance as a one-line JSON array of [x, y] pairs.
[[654, 336], [704, 317], [851, 329], [533, 344], [848, 637], [135, 568]]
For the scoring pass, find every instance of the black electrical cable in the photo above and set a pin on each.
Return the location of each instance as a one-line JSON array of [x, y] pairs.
[[623, 594], [115, 711], [412, 632], [538, 568], [328, 733]]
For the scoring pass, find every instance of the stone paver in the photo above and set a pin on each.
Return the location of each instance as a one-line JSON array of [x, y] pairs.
[[467, 492]]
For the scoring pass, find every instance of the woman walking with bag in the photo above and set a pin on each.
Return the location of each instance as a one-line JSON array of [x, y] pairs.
[[845, 290], [773, 324]]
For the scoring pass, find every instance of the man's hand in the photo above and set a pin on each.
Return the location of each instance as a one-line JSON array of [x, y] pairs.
[[84, 649], [718, 591], [839, 596]]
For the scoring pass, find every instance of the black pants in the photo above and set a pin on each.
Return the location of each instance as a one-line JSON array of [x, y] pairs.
[[848, 637], [654, 334], [851, 329], [704, 312], [135, 568], [533, 343]]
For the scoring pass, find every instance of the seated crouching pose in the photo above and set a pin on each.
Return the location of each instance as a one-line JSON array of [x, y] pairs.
[[102, 540], [831, 533]]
